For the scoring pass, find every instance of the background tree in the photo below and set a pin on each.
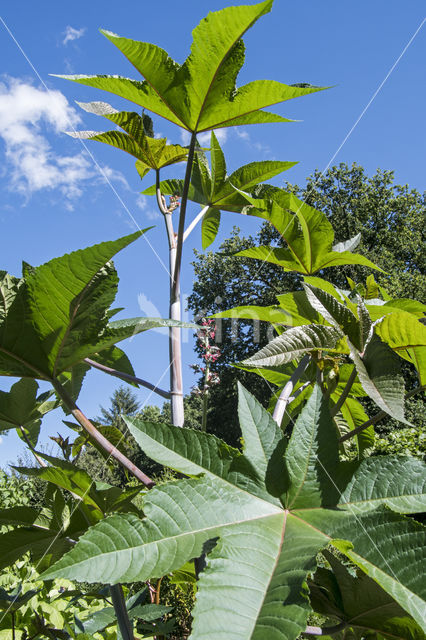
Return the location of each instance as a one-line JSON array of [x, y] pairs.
[[390, 219], [124, 402]]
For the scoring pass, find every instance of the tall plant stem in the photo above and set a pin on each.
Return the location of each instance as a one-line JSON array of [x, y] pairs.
[[31, 448], [339, 404], [175, 252], [285, 394], [376, 418], [98, 437], [127, 377], [119, 604]]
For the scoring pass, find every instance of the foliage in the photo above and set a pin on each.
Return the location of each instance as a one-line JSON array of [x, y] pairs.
[[254, 519], [200, 95], [260, 501], [355, 204]]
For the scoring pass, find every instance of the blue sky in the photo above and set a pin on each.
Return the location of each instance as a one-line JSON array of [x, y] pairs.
[[57, 196]]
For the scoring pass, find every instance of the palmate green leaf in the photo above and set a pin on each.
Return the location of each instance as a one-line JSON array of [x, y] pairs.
[[360, 603], [307, 232], [200, 94], [68, 298], [59, 314], [255, 580], [56, 308], [293, 343]]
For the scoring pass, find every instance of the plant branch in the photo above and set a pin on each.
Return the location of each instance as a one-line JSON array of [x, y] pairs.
[[124, 624], [30, 447], [194, 223], [376, 418], [127, 377], [325, 631], [339, 404], [285, 394], [98, 437]]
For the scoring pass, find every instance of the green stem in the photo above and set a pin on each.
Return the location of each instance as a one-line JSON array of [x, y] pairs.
[[124, 624], [339, 404], [30, 447]]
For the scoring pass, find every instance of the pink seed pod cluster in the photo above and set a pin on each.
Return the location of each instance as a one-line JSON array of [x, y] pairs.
[[210, 353]]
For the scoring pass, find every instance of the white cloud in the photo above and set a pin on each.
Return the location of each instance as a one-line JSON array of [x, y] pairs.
[[143, 203], [242, 133], [258, 146], [204, 138], [1, 439], [28, 114], [72, 34]]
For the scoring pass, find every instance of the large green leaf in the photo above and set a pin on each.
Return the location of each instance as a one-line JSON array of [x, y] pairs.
[[360, 603], [306, 231], [53, 317], [293, 343], [312, 459], [58, 314], [200, 94], [260, 551]]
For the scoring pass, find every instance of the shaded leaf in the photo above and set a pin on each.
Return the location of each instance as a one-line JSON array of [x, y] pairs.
[[379, 374]]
